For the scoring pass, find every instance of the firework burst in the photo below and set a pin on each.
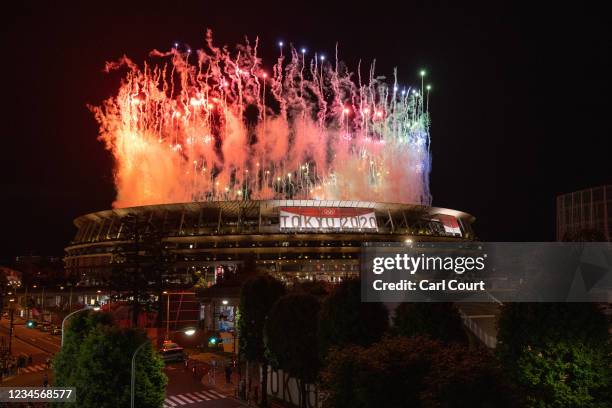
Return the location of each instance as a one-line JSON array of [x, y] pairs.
[[216, 125]]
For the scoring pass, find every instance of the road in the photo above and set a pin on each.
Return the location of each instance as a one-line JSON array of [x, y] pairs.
[[186, 391], [39, 345], [183, 389], [39, 340]]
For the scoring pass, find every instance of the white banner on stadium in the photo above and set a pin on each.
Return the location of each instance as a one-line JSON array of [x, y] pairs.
[[326, 218]]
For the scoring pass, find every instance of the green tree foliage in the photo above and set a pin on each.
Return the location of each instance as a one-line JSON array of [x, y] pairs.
[[440, 321], [345, 319], [256, 299], [291, 338], [559, 352], [413, 372], [77, 328], [96, 359]]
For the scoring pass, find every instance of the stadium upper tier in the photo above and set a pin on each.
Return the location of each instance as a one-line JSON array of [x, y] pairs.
[[274, 217]]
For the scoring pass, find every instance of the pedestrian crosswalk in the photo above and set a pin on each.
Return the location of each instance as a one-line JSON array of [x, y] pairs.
[[33, 368], [191, 398]]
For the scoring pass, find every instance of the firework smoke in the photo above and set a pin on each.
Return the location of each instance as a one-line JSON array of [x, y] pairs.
[[215, 125]]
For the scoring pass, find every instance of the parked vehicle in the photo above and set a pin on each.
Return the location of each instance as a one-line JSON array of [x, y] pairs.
[[176, 354]]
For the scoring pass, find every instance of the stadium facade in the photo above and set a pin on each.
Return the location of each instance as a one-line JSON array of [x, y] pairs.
[[585, 210], [215, 245]]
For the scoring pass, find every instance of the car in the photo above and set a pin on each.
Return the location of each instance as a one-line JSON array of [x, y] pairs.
[[169, 344], [45, 327], [175, 354]]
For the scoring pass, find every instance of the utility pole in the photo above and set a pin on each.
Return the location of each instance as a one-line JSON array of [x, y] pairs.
[[168, 317], [70, 301], [42, 305], [27, 310], [12, 311]]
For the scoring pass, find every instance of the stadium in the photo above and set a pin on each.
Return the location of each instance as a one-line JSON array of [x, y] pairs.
[[235, 175], [210, 247]]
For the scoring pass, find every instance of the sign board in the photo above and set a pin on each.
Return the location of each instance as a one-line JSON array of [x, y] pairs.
[[451, 225], [327, 218]]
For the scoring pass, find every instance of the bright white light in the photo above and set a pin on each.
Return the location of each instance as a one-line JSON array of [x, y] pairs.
[[395, 88], [322, 57], [303, 50], [280, 44], [224, 301], [190, 332]]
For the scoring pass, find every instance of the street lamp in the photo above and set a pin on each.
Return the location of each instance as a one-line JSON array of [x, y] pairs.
[[165, 292], [190, 331], [95, 308], [12, 311]]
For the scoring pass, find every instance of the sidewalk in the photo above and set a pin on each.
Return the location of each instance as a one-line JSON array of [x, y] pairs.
[[38, 364], [218, 382]]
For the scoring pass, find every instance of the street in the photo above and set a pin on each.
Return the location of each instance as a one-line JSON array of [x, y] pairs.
[[37, 340], [185, 390], [182, 390], [40, 345]]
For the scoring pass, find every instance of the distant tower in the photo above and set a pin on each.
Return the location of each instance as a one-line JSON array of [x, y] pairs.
[[585, 210]]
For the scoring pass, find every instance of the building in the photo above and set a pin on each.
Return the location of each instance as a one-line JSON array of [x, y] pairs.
[[585, 210], [212, 246]]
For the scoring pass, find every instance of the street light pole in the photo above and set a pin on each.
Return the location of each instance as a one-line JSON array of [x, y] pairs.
[[95, 308], [167, 316], [133, 384], [190, 331], [42, 305], [27, 312], [12, 311]]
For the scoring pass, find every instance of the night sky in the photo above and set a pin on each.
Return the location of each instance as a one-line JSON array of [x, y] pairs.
[[520, 107]]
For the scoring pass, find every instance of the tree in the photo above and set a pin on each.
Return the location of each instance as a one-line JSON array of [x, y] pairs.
[[256, 299], [77, 329], [291, 339], [460, 377], [138, 266], [345, 319], [96, 359], [103, 370], [413, 372], [440, 321], [559, 353]]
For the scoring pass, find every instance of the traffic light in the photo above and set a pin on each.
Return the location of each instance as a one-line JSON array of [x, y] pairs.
[[214, 341], [30, 324]]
